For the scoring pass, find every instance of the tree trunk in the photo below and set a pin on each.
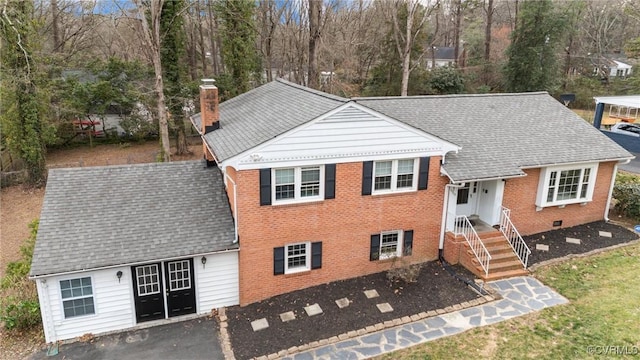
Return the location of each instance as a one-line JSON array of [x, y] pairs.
[[315, 11], [487, 32], [406, 60], [55, 26], [152, 40], [203, 52], [456, 32]]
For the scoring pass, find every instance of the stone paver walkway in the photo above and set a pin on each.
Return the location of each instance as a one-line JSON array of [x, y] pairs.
[[520, 295]]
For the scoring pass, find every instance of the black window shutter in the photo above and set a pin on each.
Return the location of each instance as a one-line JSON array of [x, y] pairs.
[[278, 261], [316, 255], [407, 244], [375, 247], [330, 181], [423, 173], [265, 186], [367, 177]]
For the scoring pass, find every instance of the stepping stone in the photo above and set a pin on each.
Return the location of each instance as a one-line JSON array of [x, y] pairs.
[[542, 247], [604, 234], [259, 324], [313, 309], [371, 293], [342, 303], [384, 308], [287, 316], [573, 241]]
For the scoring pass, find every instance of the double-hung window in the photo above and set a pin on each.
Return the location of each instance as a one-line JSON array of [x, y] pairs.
[[395, 175], [77, 297], [390, 244], [297, 257], [298, 184], [566, 185]]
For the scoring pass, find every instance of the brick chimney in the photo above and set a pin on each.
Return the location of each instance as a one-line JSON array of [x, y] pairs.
[[209, 114]]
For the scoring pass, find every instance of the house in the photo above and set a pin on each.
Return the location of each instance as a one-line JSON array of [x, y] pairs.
[[302, 188], [440, 56]]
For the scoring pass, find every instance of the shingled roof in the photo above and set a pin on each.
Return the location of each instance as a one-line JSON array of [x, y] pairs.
[[265, 112], [500, 134], [116, 215]]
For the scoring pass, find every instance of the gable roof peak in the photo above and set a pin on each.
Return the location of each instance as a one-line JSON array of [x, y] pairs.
[[310, 90]]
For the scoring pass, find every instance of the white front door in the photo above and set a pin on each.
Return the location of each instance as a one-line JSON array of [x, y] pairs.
[[467, 199]]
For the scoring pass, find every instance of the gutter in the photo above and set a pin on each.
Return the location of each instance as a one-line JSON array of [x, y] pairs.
[[35, 277]]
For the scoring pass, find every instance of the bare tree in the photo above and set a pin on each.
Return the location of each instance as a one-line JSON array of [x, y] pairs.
[[149, 16], [404, 41], [315, 15]]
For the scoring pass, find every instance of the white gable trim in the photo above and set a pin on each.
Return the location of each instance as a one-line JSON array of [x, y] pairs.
[[339, 132]]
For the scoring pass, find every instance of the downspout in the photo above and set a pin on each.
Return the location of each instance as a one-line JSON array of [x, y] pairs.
[[441, 258], [235, 206], [445, 207], [613, 183]]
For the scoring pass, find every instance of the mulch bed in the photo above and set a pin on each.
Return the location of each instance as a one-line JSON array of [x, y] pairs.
[[588, 233], [435, 289]]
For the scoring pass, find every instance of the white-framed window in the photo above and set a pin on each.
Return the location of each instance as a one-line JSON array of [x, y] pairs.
[[77, 297], [297, 184], [395, 176], [179, 275], [297, 257], [148, 279], [390, 244], [566, 185]]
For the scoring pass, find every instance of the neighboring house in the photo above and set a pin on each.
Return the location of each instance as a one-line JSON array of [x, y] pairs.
[[607, 67], [318, 188], [440, 56]]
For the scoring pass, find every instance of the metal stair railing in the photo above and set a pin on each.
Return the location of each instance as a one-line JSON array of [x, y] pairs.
[[463, 227], [509, 231]]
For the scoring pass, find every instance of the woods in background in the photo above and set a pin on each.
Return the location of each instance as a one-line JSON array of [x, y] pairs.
[[345, 47]]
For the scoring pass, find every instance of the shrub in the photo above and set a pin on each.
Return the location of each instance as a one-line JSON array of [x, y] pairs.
[[401, 270], [19, 307], [628, 199]]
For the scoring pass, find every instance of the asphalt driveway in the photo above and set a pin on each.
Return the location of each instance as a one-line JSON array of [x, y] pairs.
[[191, 339]]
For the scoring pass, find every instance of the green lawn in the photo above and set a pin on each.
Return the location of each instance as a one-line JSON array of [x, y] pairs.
[[604, 310]]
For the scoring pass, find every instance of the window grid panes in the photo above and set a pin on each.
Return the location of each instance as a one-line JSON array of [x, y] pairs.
[[405, 173], [296, 256], [568, 184], [310, 184], [79, 297], [179, 275], [285, 184], [585, 183], [383, 175], [552, 185], [148, 279], [389, 245]]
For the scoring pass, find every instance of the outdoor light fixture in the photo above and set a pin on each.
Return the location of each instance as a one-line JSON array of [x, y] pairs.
[[203, 261], [119, 275]]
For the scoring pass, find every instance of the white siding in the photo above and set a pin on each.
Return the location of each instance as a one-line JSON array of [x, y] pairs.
[[346, 135], [114, 308], [217, 281]]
